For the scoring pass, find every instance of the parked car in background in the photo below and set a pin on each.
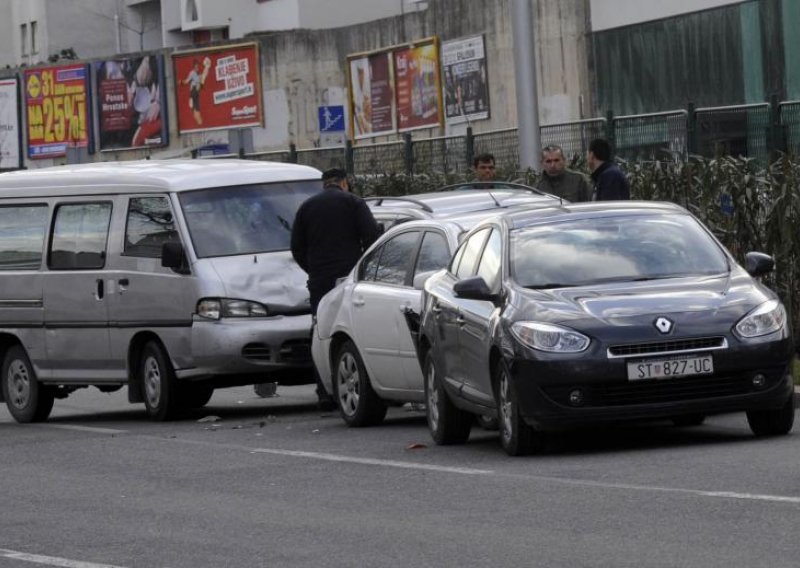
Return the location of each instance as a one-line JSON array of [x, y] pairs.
[[587, 313], [363, 346]]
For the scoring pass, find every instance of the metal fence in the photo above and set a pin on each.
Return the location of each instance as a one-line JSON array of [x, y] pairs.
[[756, 130]]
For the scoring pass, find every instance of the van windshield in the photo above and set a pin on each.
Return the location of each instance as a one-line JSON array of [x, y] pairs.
[[244, 219]]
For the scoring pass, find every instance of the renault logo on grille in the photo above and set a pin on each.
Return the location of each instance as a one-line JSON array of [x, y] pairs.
[[663, 325]]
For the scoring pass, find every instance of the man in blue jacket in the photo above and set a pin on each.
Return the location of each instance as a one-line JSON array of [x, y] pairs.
[[609, 181]]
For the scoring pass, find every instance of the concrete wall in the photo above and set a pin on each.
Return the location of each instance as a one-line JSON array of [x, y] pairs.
[[86, 26], [607, 14]]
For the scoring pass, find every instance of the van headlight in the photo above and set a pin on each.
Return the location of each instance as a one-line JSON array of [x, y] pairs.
[[216, 308], [549, 337], [767, 318]]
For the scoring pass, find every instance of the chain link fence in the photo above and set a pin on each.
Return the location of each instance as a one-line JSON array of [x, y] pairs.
[[733, 131], [573, 137], [661, 136], [790, 126]]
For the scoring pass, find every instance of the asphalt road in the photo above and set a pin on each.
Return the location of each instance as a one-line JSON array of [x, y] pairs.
[[275, 483]]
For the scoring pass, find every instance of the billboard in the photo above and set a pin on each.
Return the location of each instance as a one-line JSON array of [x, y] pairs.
[[372, 95], [466, 86], [417, 86], [131, 106], [57, 110], [218, 88], [10, 140]]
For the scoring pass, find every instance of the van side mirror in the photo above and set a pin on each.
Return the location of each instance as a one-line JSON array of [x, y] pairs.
[[758, 263], [173, 256], [474, 288]]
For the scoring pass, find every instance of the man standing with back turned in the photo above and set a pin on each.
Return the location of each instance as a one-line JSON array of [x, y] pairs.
[[331, 230], [609, 181]]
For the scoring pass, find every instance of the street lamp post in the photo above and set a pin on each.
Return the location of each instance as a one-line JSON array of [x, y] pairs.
[[525, 71]]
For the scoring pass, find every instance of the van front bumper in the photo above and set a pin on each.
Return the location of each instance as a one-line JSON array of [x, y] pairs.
[[274, 346]]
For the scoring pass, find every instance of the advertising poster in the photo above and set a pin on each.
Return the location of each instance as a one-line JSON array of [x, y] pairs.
[[10, 155], [417, 84], [57, 110], [466, 88], [218, 88], [130, 103], [372, 95]]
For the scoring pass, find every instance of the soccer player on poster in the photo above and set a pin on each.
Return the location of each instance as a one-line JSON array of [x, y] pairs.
[[196, 79]]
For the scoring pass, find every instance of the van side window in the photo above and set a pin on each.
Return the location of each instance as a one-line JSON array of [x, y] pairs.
[[22, 232], [80, 233], [150, 224]]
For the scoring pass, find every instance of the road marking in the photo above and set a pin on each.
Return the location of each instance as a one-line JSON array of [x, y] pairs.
[[50, 560], [91, 429], [374, 461]]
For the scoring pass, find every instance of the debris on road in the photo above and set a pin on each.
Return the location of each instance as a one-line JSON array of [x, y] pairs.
[[210, 418]]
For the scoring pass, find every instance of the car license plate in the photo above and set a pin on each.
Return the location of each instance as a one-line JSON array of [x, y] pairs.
[[669, 368]]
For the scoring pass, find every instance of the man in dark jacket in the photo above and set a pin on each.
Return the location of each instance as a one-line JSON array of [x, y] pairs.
[[609, 181], [559, 180], [331, 230]]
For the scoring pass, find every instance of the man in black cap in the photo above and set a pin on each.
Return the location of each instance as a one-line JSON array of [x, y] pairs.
[[331, 231]]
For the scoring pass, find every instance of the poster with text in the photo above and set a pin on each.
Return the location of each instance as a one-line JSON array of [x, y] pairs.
[[130, 103], [57, 110], [372, 95], [466, 88], [218, 88], [10, 155], [417, 84]]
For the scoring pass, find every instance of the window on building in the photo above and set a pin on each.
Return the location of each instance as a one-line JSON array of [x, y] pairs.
[[23, 38], [34, 48]]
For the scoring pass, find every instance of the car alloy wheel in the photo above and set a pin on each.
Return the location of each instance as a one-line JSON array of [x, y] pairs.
[[359, 405], [447, 423], [516, 437]]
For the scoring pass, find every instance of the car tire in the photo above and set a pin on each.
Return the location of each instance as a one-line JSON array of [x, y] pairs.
[[447, 423], [689, 420], [159, 386], [196, 396], [27, 399], [772, 422], [516, 437], [359, 405]]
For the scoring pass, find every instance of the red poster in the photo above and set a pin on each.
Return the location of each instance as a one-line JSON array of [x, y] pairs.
[[218, 88], [417, 84], [56, 105]]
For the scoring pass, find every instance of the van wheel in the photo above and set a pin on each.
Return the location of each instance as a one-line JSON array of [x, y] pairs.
[[358, 403], [158, 382], [772, 422], [27, 399], [516, 437], [447, 423], [196, 396]]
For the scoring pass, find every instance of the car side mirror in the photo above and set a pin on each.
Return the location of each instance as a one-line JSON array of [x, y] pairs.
[[421, 278], [173, 256], [474, 288], [758, 263]]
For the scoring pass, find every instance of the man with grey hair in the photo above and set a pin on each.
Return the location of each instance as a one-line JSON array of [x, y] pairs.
[[559, 180]]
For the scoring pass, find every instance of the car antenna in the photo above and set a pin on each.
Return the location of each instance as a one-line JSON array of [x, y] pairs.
[[497, 203]]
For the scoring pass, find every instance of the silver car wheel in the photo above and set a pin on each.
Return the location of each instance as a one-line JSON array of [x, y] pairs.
[[347, 383], [152, 381], [433, 398], [19, 384], [505, 410]]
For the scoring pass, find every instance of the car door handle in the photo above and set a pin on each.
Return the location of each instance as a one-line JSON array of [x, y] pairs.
[[460, 320], [124, 282], [100, 290], [436, 309], [358, 301]]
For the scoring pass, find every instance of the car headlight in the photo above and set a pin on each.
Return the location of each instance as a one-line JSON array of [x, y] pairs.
[[767, 318], [216, 308], [549, 337]]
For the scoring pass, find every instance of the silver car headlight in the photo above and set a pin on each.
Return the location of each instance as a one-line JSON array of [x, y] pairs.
[[549, 337], [216, 308], [767, 318]]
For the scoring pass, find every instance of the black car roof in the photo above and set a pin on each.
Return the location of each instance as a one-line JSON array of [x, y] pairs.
[[571, 211]]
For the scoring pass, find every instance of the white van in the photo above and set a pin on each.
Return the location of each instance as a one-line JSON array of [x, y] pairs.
[[172, 278]]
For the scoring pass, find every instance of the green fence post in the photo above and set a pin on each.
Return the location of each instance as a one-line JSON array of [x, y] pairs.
[[776, 141], [691, 129], [610, 133], [292, 153], [408, 153], [349, 158], [470, 143]]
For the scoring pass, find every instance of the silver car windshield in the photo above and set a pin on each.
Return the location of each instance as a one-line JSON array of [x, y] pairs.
[[629, 248], [244, 219]]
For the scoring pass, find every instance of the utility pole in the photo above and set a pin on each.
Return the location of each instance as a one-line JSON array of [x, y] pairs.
[[525, 71]]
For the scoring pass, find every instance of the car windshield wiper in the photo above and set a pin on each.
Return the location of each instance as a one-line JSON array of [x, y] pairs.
[[551, 285]]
